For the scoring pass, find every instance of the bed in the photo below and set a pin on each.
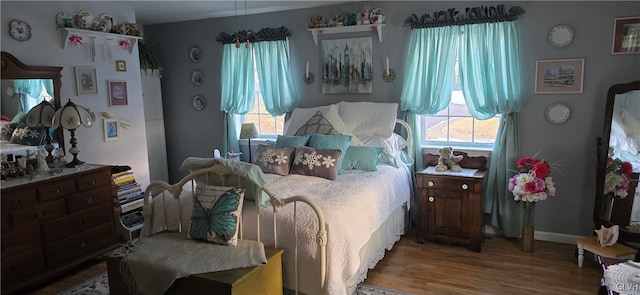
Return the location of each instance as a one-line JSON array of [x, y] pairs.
[[365, 211]]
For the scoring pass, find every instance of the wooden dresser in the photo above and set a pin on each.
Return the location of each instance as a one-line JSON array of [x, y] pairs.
[[53, 223], [450, 203]]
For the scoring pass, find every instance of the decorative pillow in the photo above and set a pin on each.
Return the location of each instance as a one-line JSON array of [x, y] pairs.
[[316, 162], [276, 160], [300, 116], [6, 130], [362, 158], [317, 124], [336, 141], [216, 210], [27, 136], [284, 141], [369, 118], [20, 117]]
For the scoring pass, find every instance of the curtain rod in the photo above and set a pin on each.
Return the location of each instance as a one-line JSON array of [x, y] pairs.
[[265, 34]]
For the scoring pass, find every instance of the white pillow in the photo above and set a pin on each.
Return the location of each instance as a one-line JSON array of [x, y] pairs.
[[368, 119], [300, 116], [631, 125]]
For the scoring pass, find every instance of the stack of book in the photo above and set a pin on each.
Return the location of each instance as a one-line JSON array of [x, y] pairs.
[[127, 190]]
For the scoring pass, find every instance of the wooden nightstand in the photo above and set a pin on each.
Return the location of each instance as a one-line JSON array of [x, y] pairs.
[[450, 203]]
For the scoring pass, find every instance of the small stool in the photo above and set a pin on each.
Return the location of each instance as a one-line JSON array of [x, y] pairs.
[[592, 245]]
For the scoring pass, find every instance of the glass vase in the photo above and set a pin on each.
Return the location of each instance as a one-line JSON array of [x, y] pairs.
[[607, 207], [528, 222]]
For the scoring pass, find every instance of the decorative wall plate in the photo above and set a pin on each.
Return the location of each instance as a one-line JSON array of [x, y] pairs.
[[557, 113], [64, 20], [198, 102], [197, 78], [195, 54], [85, 20], [19, 30], [560, 36], [376, 16]]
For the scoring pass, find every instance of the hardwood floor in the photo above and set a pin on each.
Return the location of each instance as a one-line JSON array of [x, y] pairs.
[[501, 268], [431, 268]]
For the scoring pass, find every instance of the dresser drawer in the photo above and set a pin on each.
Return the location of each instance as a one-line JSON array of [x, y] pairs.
[[56, 190], [94, 180], [471, 185], [22, 267], [19, 198], [20, 241], [77, 246], [34, 215], [87, 200], [77, 223]]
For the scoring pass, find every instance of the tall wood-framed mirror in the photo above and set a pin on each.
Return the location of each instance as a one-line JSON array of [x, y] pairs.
[[620, 140], [24, 86]]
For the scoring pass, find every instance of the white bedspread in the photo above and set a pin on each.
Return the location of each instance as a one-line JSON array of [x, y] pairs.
[[354, 206]]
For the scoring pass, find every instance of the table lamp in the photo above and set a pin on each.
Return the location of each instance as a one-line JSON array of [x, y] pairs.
[[249, 131], [70, 117], [42, 115]]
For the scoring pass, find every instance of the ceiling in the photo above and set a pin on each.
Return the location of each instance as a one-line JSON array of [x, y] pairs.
[[156, 12]]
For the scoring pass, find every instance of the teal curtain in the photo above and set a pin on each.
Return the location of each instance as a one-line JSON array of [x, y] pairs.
[[429, 70], [31, 91], [490, 80], [274, 74], [237, 82]]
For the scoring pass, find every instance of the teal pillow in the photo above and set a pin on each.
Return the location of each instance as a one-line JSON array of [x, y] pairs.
[[294, 141], [362, 158], [333, 141]]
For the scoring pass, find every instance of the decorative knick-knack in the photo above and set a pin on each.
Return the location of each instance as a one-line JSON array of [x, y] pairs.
[[42, 162], [365, 16]]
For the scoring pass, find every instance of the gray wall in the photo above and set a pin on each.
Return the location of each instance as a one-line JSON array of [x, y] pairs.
[[571, 145]]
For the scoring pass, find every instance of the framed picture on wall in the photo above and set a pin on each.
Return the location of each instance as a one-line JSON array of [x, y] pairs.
[[111, 129], [626, 35], [86, 80], [117, 93], [121, 66], [559, 76]]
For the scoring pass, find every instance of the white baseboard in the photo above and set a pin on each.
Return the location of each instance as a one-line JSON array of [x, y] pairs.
[[540, 235]]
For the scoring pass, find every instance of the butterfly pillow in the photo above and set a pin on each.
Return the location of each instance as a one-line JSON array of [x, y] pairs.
[[216, 213]]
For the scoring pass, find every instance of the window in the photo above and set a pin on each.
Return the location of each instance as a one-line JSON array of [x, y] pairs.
[[455, 126], [268, 125]]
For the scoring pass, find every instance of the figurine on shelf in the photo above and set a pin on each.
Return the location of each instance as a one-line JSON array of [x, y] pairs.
[[42, 162], [365, 16], [339, 18]]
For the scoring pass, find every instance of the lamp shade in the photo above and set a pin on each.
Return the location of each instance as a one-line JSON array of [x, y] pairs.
[[41, 114], [71, 116], [249, 130]]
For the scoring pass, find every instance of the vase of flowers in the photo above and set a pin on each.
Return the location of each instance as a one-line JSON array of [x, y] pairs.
[[616, 184], [531, 184]]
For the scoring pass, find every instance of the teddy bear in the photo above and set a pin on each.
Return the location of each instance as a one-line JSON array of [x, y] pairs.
[[448, 160]]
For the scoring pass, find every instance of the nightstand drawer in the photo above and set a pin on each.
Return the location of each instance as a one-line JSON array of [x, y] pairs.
[[56, 190], [77, 223], [471, 185]]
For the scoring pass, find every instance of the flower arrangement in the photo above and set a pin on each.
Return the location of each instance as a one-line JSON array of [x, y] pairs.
[[616, 181], [532, 183]]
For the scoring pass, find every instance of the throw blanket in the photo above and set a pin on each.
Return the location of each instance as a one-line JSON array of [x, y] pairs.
[[150, 265]]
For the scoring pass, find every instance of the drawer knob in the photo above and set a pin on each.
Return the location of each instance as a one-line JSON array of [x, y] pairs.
[[82, 244], [40, 215], [431, 199], [79, 221], [57, 191], [465, 186], [17, 202], [90, 200], [430, 183], [92, 182]]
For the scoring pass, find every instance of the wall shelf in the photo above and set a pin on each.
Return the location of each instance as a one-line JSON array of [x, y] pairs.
[[106, 37], [347, 29]]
